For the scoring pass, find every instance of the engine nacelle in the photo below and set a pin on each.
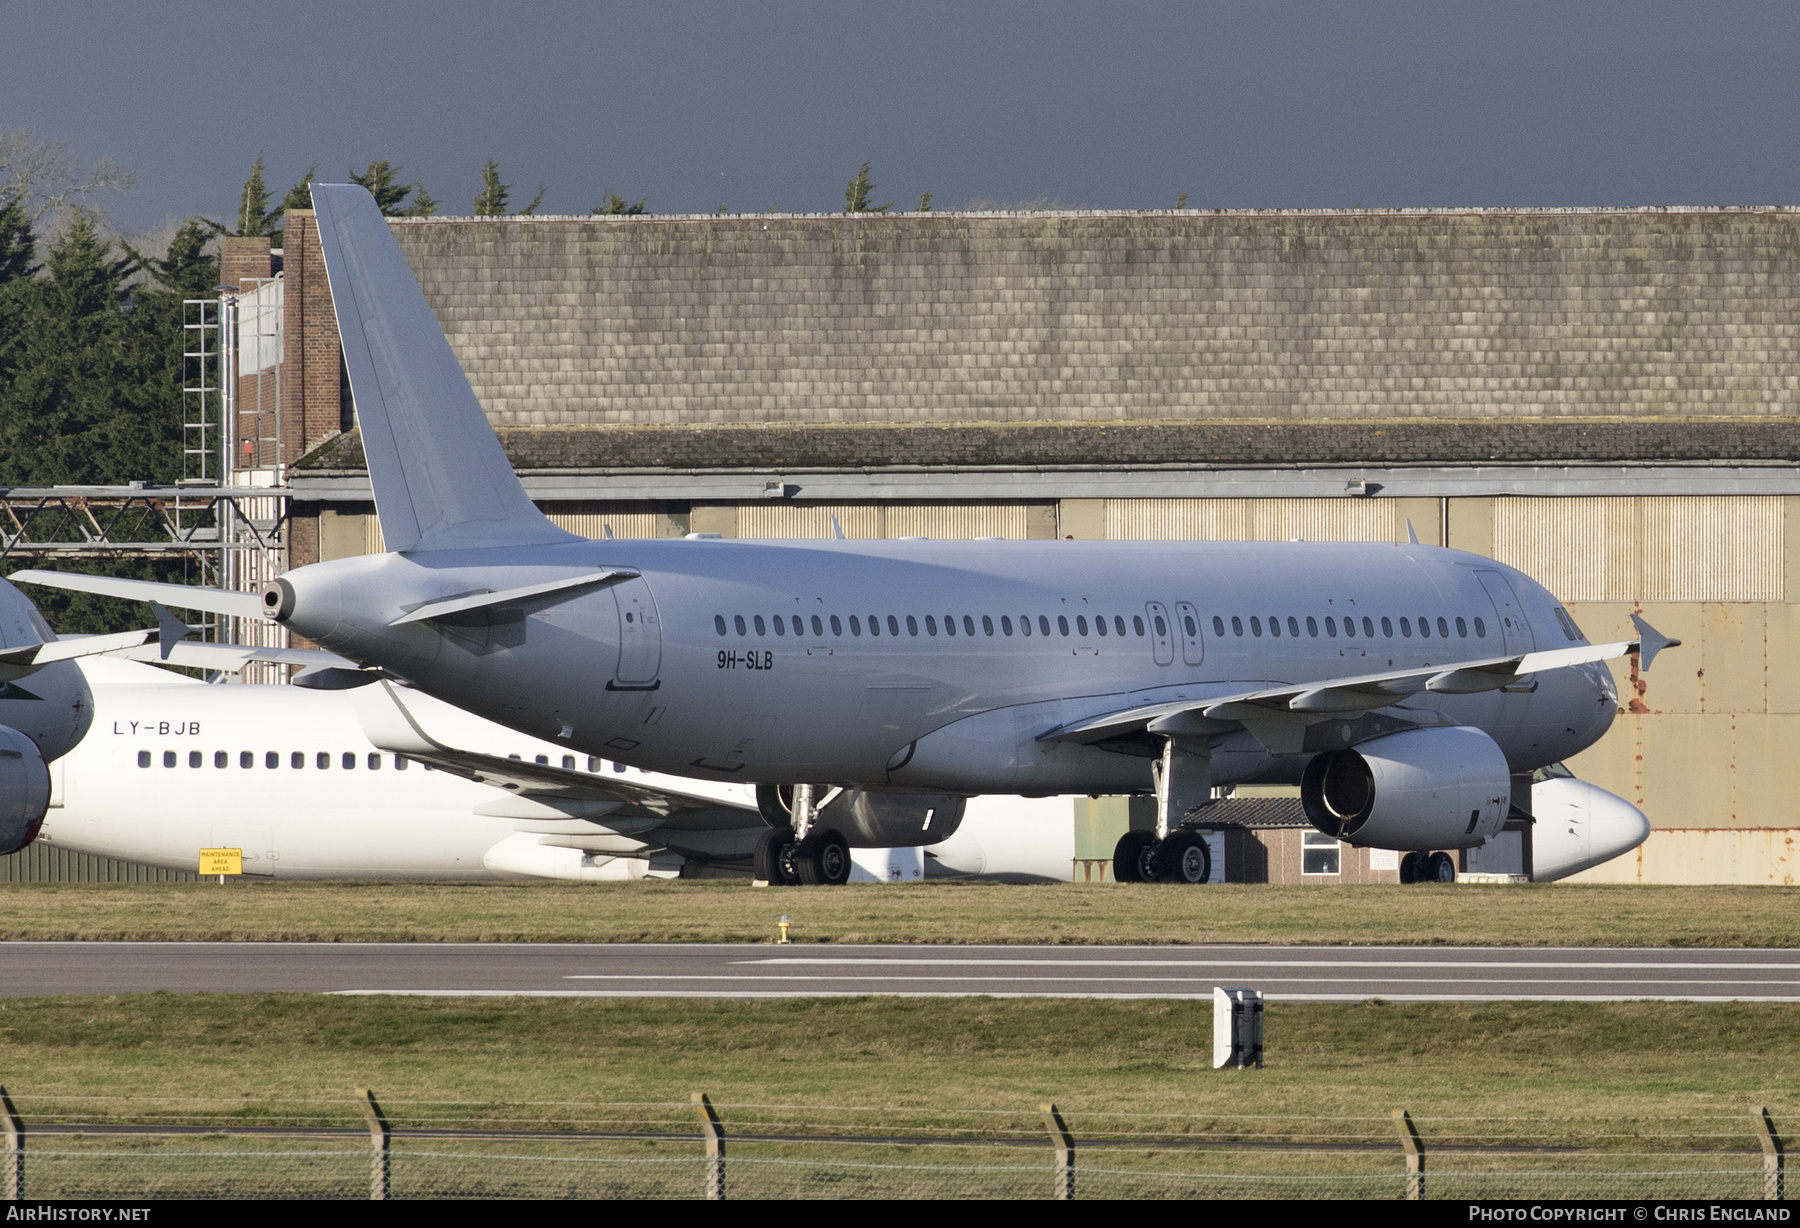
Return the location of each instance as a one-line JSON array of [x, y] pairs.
[[872, 820], [1442, 788], [24, 790]]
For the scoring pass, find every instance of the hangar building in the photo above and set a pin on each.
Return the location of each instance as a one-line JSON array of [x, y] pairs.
[[1605, 399]]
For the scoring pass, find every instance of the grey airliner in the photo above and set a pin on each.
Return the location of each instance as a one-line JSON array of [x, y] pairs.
[[868, 687]]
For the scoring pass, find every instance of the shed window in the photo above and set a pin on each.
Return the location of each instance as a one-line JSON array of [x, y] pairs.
[[1320, 854]]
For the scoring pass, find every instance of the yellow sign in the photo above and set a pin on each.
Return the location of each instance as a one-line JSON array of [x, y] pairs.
[[221, 861]]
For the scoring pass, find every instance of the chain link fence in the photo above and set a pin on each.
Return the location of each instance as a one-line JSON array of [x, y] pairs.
[[129, 1149]]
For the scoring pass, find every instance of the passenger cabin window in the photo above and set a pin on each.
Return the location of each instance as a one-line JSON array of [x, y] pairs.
[[1462, 628], [143, 758], [1256, 626], [221, 758], [930, 624], [1218, 626], [1005, 625], [1081, 624], [374, 760], [912, 627], [1480, 629], [323, 759], [1387, 626], [1237, 625], [1443, 629], [1137, 624], [247, 759], [1062, 624], [1294, 625], [1406, 627], [719, 623], [1044, 624], [1274, 626], [1312, 627], [272, 760], [1368, 626], [780, 626], [987, 625], [195, 758], [1119, 625], [757, 619], [969, 626], [349, 760], [737, 621], [297, 760], [837, 628]]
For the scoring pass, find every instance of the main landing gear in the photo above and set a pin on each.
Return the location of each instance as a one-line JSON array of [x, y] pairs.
[[1427, 868], [799, 854], [1183, 857], [1172, 853]]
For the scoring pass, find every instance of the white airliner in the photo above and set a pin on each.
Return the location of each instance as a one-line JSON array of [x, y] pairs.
[[868, 687]]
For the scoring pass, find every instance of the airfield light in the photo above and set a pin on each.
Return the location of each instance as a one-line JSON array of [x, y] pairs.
[[784, 923]]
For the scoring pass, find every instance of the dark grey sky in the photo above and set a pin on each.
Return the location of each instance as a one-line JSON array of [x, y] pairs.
[[1096, 105]]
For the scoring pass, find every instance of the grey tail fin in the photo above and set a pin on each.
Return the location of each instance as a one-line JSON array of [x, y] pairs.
[[441, 480]]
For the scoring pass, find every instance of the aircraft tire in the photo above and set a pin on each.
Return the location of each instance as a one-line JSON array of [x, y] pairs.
[[775, 858], [1409, 868], [1134, 857], [1440, 868], [1184, 858], [823, 859]]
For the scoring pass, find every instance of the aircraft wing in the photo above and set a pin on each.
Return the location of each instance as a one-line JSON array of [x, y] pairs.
[[1279, 716], [390, 725]]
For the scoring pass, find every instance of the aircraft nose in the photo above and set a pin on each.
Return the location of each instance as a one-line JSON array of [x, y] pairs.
[[1617, 826]]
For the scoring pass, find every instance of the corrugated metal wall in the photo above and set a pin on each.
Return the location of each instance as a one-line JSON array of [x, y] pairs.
[[939, 521], [1647, 549], [44, 863], [1333, 520]]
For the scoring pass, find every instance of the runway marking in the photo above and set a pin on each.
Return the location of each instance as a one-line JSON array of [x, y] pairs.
[[1273, 997], [1276, 963], [1147, 980]]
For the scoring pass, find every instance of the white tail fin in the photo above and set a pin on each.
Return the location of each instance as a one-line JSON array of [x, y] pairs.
[[441, 480]]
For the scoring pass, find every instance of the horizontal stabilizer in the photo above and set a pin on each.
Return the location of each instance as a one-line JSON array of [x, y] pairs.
[[391, 726], [440, 477], [230, 658], [181, 596], [482, 601], [1650, 642], [70, 649]]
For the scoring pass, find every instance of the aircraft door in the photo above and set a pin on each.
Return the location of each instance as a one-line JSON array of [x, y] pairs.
[[1514, 629], [640, 634], [1162, 632], [1187, 626]]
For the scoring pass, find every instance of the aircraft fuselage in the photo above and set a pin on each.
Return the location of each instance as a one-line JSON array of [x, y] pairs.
[[938, 665]]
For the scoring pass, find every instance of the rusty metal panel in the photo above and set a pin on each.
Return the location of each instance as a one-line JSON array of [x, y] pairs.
[[1698, 856], [1781, 654], [1731, 672], [1256, 520]]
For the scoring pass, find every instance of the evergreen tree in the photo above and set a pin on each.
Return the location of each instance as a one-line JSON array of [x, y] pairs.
[[300, 195], [18, 246], [612, 204], [925, 202], [381, 180], [857, 194], [491, 200], [254, 215]]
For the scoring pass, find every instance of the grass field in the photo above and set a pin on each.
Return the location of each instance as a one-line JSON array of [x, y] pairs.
[[942, 912], [1616, 1075]]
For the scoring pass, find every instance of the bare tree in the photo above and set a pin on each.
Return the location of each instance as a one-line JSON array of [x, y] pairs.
[[45, 175]]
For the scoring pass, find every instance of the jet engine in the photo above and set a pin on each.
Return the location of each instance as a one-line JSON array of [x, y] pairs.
[[1422, 789], [24, 790], [871, 820]]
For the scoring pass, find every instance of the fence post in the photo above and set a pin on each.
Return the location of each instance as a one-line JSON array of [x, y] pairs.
[[715, 1147], [15, 1149], [378, 1142], [1415, 1154], [1774, 1159], [1064, 1142]]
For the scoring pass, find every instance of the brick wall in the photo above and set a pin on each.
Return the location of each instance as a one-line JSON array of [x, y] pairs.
[[312, 365]]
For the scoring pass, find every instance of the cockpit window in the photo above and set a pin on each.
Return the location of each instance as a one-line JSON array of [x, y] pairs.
[[1568, 624]]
